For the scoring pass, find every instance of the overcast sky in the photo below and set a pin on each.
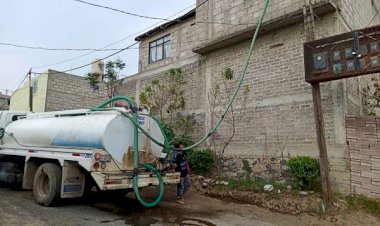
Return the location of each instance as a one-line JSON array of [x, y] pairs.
[[71, 24]]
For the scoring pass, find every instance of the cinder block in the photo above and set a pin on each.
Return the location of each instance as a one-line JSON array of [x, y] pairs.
[[360, 179]]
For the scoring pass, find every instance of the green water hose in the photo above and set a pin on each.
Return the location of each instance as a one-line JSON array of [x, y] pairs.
[[134, 120], [147, 166], [167, 143]]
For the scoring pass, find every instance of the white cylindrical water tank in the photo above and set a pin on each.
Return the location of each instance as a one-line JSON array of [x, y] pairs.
[[102, 130]]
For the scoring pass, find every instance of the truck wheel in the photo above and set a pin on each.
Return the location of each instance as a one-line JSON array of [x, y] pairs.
[[47, 184]]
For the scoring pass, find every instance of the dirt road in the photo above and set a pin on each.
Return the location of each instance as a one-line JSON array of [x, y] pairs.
[[18, 208]]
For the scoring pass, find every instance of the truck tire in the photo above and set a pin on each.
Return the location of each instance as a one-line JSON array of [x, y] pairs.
[[47, 184]]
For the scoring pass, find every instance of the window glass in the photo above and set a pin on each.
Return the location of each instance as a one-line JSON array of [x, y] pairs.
[[152, 55], [167, 49], [159, 52], [159, 49]]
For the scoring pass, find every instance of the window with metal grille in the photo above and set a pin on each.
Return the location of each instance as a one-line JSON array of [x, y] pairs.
[[159, 49]]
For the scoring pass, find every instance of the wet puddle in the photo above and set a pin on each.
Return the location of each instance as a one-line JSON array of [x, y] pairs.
[[133, 213], [147, 221]]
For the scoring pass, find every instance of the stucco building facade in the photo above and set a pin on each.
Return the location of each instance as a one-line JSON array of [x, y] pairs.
[[54, 91]]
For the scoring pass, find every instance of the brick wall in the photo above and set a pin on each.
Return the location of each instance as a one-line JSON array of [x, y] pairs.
[[66, 91], [363, 138]]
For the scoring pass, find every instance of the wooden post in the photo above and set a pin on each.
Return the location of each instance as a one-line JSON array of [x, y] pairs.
[[323, 159], [30, 91], [319, 122]]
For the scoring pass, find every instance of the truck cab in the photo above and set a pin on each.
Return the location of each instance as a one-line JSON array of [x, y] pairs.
[[11, 167], [7, 117]]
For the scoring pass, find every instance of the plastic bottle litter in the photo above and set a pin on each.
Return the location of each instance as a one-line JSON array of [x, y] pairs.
[[268, 187]]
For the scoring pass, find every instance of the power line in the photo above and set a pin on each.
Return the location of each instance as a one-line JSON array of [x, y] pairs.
[[54, 49], [22, 81], [121, 11], [373, 18], [84, 49], [80, 56], [115, 52], [159, 18], [73, 69]]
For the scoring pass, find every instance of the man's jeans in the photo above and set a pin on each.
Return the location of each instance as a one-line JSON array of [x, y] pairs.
[[183, 186]]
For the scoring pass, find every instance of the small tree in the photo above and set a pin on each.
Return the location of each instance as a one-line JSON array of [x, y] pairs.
[[165, 95], [92, 80], [110, 77], [219, 96], [213, 102], [165, 98]]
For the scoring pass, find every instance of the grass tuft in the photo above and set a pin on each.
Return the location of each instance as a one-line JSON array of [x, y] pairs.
[[369, 205]]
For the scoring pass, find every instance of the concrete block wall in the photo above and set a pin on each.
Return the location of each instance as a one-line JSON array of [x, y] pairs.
[[126, 89], [182, 37], [363, 138], [231, 16], [360, 13], [66, 91], [280, 100], [280, 109], [193, 73]]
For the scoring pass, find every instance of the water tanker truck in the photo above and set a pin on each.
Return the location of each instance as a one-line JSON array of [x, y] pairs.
[[64, 154]]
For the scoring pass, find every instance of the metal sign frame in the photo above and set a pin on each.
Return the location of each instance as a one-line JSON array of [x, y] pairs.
[[343, 56]]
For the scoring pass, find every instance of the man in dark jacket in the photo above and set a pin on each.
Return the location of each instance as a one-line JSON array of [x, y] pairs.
[[181, 165]]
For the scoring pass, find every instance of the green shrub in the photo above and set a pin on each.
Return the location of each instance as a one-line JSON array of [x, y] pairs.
[[305, 171], [201, 161]]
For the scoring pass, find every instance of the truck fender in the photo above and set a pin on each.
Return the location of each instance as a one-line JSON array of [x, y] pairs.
[[30, 169]]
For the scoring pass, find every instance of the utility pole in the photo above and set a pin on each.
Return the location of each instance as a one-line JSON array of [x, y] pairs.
[[30, 91], [318, 115]]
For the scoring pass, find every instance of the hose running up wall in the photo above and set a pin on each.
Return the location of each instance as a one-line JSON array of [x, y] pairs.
[[137, 127]]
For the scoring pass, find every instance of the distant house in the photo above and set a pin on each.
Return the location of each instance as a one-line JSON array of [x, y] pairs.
[[53, 91], [4, 102], [279, 119]]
